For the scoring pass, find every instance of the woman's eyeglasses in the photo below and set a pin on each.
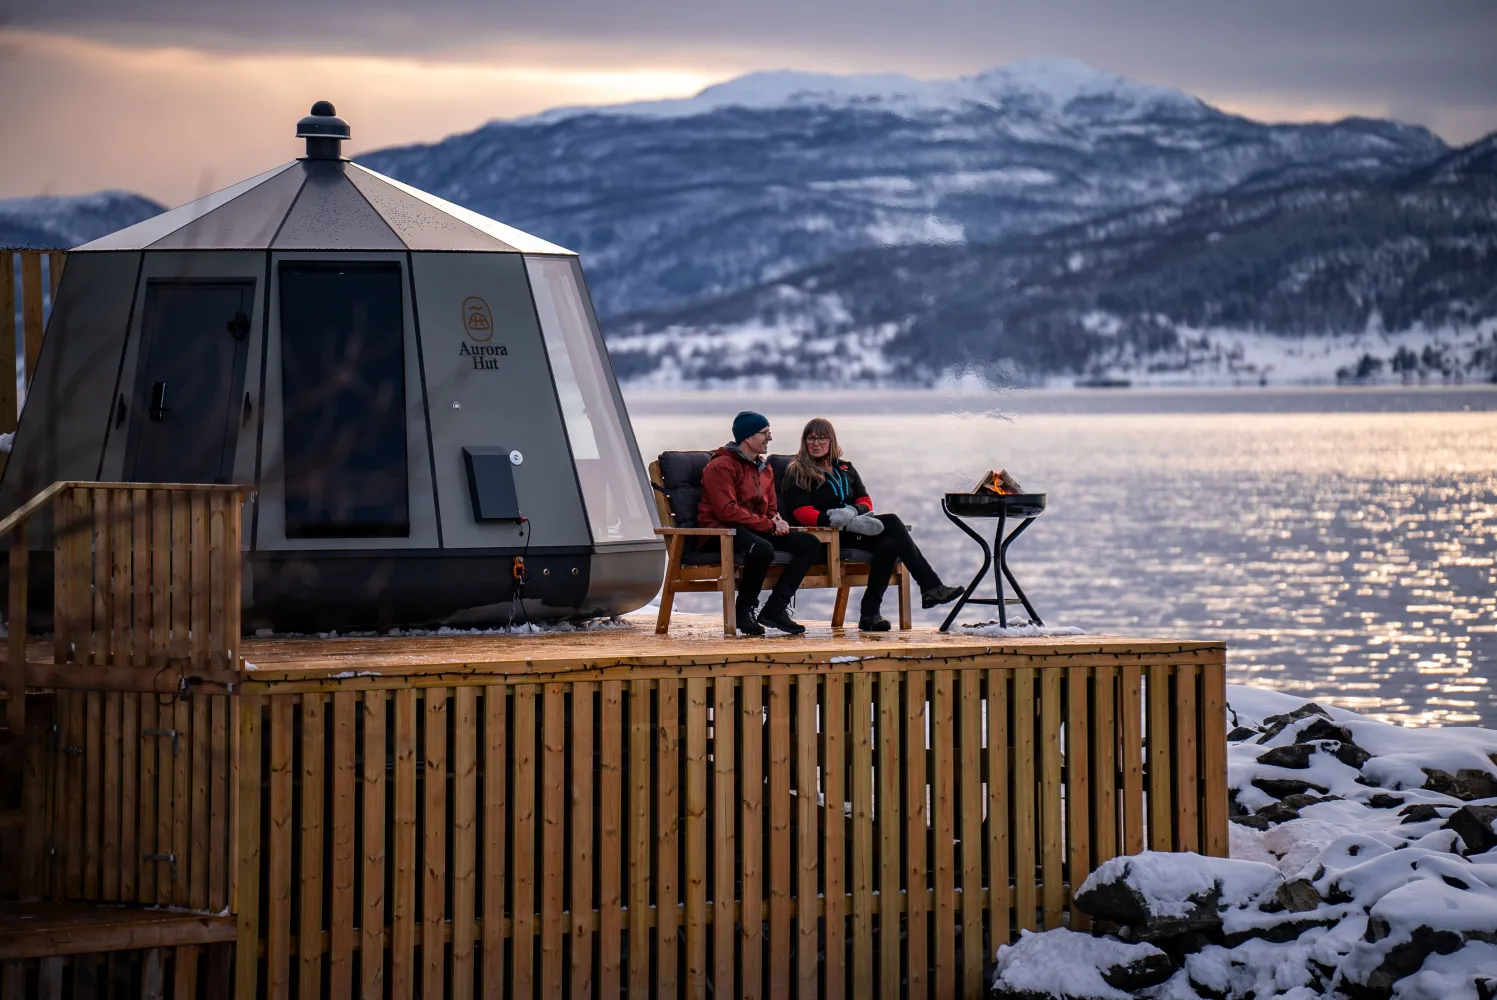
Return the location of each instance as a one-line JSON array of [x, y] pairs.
[[818, 437]]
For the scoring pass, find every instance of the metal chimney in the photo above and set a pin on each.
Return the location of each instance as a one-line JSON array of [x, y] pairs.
[[324, 132]]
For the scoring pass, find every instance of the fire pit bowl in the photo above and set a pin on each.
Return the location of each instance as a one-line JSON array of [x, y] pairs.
[[993, 504]]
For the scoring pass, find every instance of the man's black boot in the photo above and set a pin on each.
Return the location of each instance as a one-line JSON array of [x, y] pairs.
[[873, 623], [776, 615], [747, 623], [939, 594]]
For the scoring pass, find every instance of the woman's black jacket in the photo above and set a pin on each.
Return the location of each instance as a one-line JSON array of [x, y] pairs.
[[842, 487]]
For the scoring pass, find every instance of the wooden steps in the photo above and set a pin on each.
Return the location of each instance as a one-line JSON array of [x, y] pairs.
[[37, 930], [91, 951]]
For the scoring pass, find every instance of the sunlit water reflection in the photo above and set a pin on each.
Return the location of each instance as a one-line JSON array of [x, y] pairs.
[[1341, 542]]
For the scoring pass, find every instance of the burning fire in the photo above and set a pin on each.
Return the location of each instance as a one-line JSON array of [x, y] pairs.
[[999, 482]]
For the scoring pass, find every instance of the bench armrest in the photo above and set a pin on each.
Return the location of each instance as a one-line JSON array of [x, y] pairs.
[[825, 534], [667, 532]]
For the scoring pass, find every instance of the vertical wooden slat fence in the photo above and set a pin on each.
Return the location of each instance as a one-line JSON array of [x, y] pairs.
[[742, 830], [131, 797]]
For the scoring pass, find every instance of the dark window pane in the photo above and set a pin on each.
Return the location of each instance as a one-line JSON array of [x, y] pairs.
[[343, 393]]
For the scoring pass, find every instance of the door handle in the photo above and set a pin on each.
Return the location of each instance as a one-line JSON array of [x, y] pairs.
[[239, 326], [158, 400]]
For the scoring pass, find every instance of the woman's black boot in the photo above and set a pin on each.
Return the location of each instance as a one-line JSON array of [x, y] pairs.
[[873, 623], [939, 594]]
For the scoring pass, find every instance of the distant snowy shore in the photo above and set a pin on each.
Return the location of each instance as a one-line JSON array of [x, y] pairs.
[[799, 354], [1364, 866]]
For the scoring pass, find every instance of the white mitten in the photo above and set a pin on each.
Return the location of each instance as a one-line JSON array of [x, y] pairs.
[[838, 517], [865, 524]]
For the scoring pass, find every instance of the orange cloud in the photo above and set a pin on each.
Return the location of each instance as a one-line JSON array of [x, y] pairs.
[[176, 122]]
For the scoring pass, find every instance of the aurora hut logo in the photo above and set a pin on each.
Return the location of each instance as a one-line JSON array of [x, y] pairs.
[[478, 320], [478, 323]]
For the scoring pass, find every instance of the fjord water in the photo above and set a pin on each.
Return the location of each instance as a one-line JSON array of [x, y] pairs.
[[1343, 542]]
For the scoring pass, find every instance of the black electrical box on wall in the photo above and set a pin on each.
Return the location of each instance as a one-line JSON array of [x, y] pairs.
[[491, 484]]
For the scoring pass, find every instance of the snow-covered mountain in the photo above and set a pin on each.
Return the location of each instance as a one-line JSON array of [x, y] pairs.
[[675, 201], [1049, 84], [51, 223], [1351, 277]]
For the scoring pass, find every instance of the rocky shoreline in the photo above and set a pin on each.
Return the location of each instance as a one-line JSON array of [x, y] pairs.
[[1364, 866]]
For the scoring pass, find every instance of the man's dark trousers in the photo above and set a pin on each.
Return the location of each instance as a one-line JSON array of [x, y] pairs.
[[758, 553]]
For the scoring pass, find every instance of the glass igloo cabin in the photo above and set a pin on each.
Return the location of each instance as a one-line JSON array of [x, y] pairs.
[[419, 393]]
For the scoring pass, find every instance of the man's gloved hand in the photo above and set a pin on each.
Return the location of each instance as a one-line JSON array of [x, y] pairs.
[[838, 517], [865, 524]]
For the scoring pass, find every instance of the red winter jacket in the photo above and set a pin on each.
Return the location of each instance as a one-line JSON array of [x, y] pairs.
[[737, 493]]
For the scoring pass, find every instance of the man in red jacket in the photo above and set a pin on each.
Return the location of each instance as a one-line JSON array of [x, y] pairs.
[[738, 492]]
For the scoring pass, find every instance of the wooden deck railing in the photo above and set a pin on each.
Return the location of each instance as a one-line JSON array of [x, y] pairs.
[[34, 304], [145, 646], [125, 759], [856, 829]]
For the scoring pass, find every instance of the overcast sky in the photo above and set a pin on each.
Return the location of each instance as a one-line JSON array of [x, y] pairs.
[[174, 98]]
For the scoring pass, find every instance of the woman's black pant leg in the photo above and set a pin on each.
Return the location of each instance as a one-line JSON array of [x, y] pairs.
[[888, 547]]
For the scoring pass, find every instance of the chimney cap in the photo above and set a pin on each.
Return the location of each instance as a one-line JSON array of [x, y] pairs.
[[323, 123]]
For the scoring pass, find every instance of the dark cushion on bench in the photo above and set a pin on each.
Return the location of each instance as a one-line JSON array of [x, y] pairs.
[[681, 474], [778, 464]]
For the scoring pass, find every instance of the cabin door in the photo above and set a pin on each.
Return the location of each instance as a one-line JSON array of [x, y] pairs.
[[194, 340]]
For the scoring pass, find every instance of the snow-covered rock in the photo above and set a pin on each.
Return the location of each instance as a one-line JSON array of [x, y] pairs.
[[1074, 966], [1157, 895], [1355, 876], [1411, 923]]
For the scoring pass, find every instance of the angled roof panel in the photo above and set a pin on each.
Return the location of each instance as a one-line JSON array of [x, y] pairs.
[[143, 234], [513, 238], [420, 225], [249, 222], [331, 214]]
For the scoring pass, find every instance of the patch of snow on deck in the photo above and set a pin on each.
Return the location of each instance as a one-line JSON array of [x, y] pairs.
[[1021, 629]]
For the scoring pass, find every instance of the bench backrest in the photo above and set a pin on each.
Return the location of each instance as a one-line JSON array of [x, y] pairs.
[[677, 479]]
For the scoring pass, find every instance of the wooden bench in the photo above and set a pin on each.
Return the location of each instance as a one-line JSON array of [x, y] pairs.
[[694, 568]]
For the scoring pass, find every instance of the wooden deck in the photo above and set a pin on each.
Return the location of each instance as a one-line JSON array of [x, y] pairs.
[[615, 810], [837, 815], [634, 650]]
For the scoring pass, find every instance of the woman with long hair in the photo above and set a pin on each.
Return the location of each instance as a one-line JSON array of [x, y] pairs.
[[822, 489]]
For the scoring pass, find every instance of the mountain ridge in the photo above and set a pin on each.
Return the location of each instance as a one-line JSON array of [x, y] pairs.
[[683, 201], [1057, 80], [1341, 278], [54, 222]]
